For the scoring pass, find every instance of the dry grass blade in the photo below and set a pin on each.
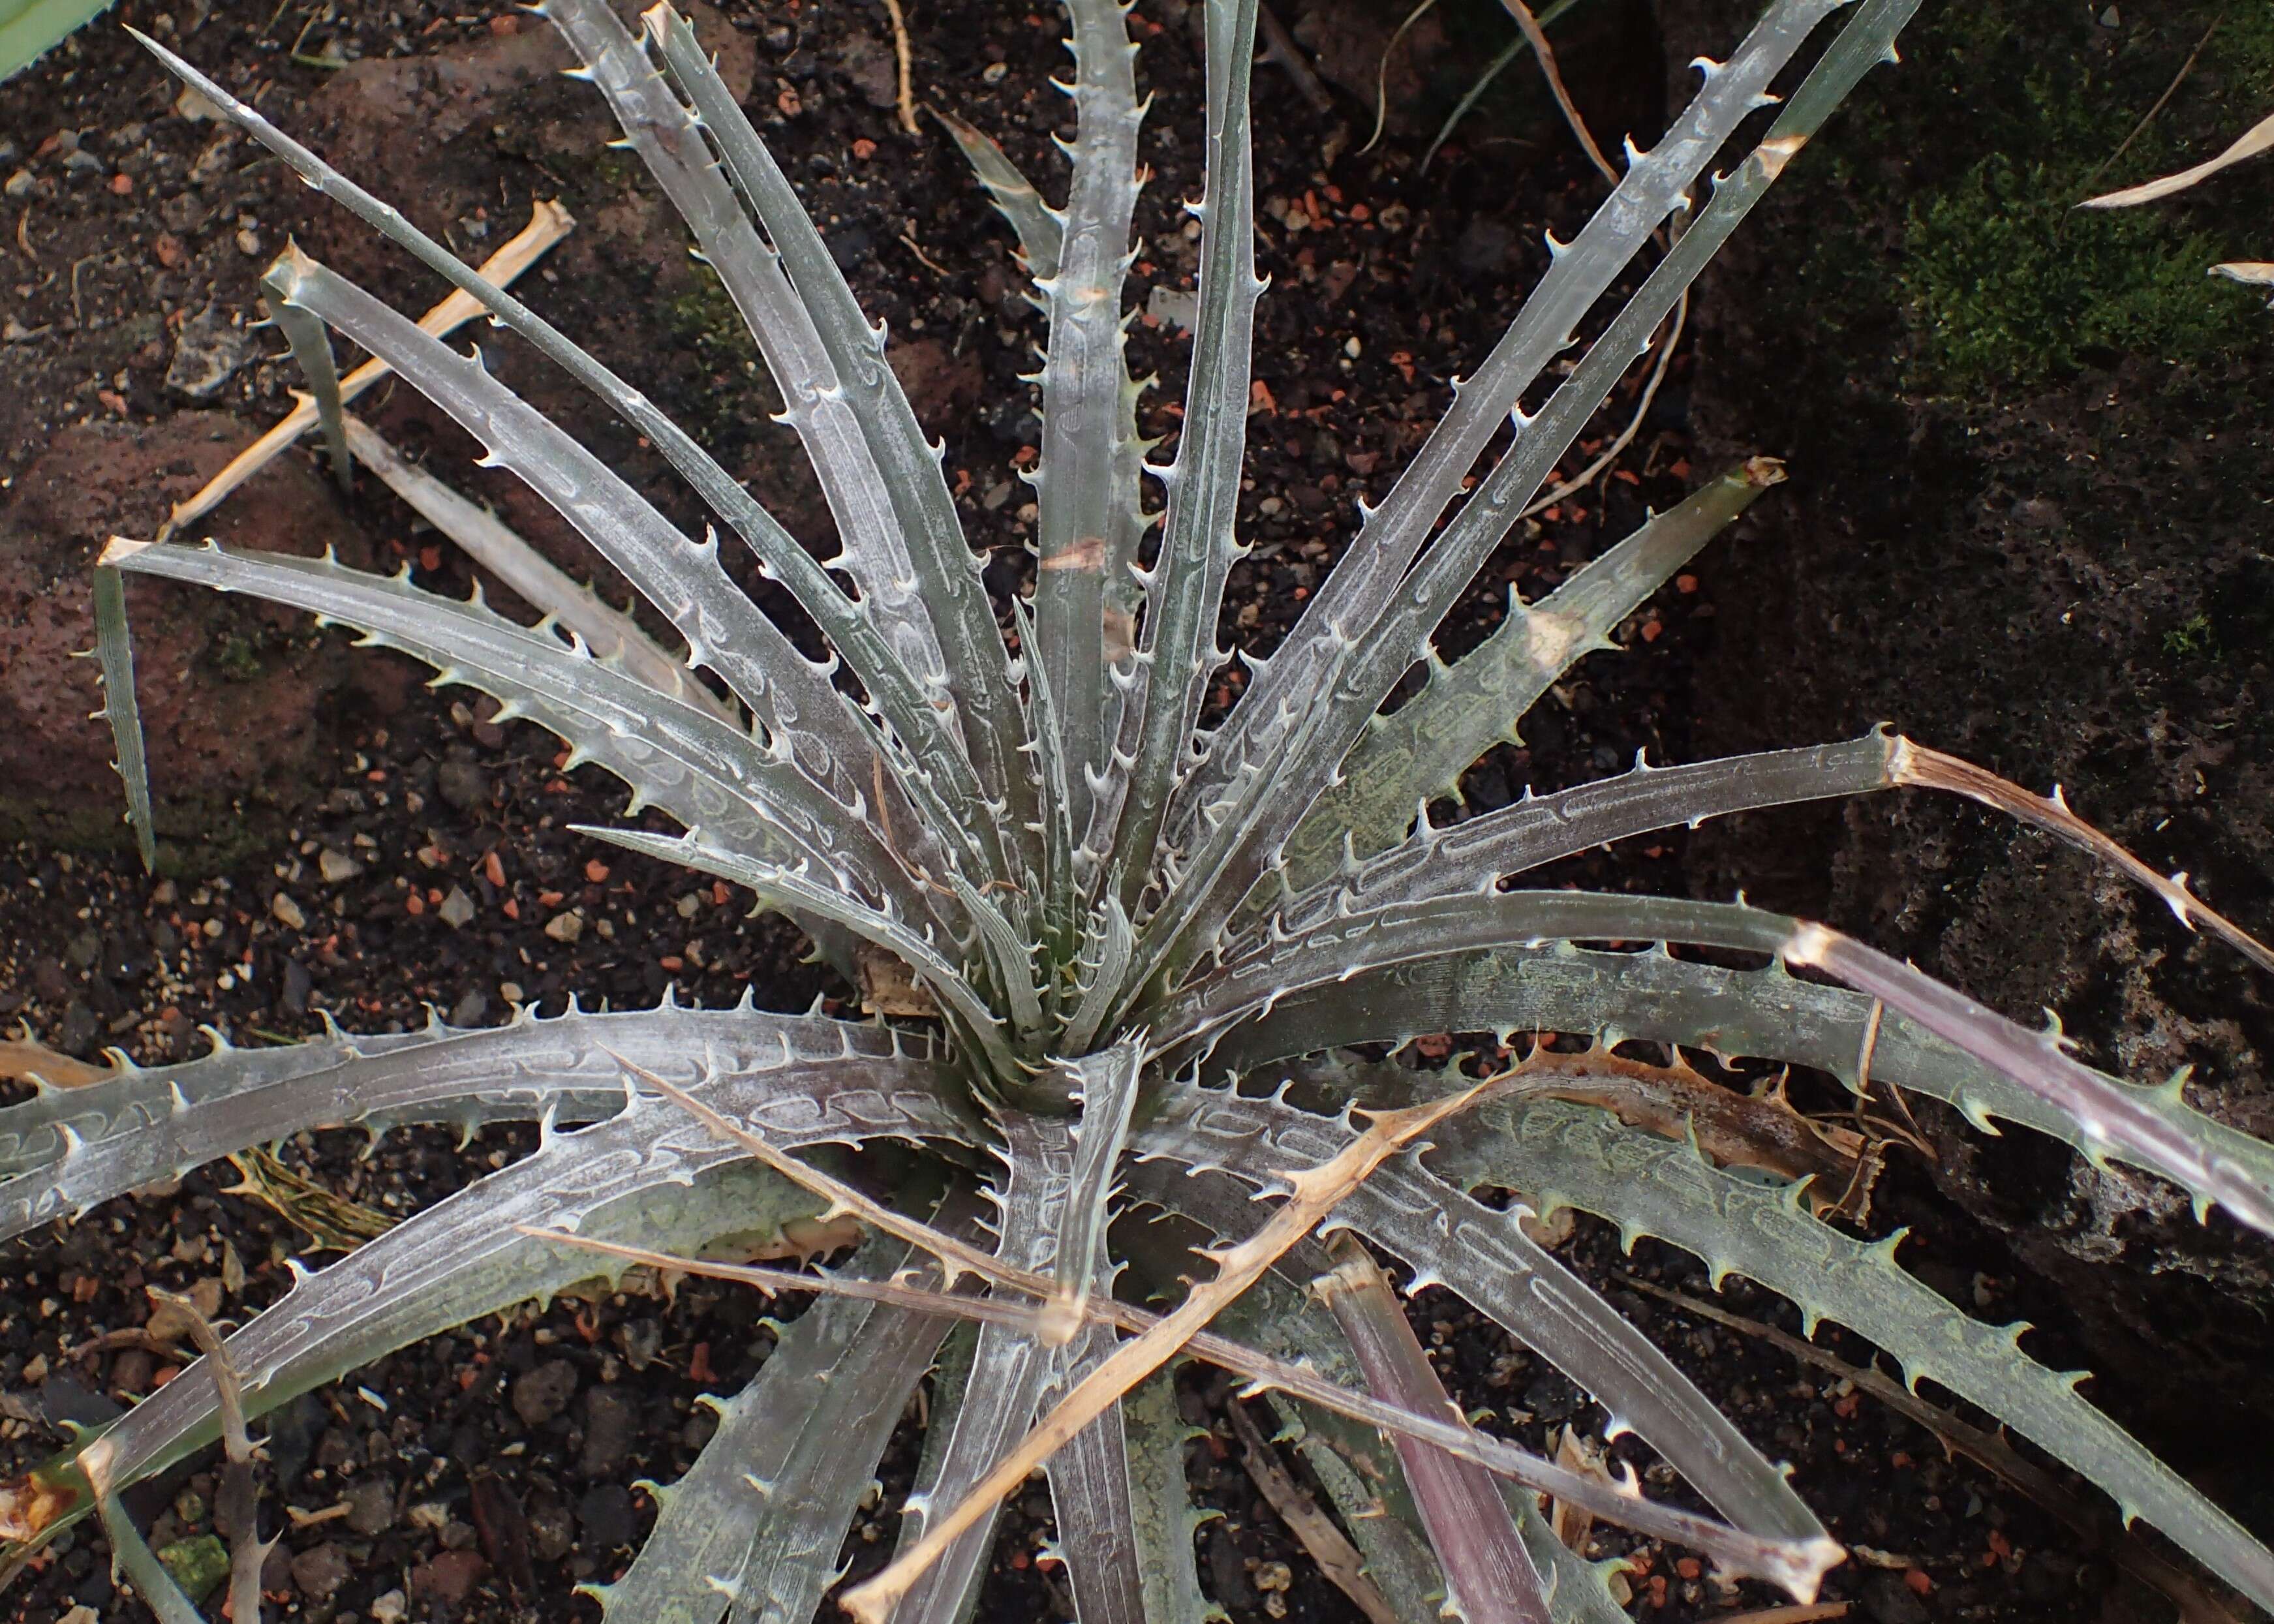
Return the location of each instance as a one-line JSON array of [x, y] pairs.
[[1537, 38], [1792, 1566], [1381, 73], [2258, 139], [2258, 272], [548, 223], [1311, 1196], [1329, 1547]]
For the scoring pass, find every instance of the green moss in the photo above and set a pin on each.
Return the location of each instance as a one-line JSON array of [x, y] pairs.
[[712, 330], [237, 658], [2193, 639], [2008, 281], [704, 319], [1943, 230]]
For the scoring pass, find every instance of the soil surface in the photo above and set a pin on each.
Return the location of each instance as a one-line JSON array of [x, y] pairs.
[[339, 841]]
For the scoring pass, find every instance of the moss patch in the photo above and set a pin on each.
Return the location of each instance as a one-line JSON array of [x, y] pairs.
[[2001, 282]]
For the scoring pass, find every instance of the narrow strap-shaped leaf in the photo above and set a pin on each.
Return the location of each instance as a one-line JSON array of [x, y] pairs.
[[1382, 639], [1114, 945], [155, 1584], [705, 773], [1446, 1234], [944, 579], [2116, 1120], [697, 1559], [736, 1201], [1161, 1498], [1353, 944], [1041, 229], [1106, 1085], [162, 1124], [311, 349], [791, 696], [465, 1257], [1094, 1499], [544, 585], [1489, 1578], [1470, 856], [799, 891], [1367, 1483], [1197, 542], [1766, 1014], [1418, 751], [1009, 1371], [548, 223], [659, 128], [1656, 185], [1559, 1155], [1041, 239], [1399, 1562], [1060, 911], [1579, 1591], [39, 1128], [832, 1446], [1087, 495], [1364, 1478], [918, 725], [114, 653]]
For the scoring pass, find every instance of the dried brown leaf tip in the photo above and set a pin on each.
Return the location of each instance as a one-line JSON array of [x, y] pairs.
[[2258, 139], [1761, 1130]]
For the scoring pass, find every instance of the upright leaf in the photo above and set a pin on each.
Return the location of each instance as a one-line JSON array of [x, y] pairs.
[[1086, 482]]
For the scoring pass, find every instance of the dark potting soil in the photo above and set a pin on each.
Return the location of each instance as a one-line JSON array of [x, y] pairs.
[[405, 850]]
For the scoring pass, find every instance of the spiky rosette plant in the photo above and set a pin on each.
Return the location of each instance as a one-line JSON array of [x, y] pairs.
[[1143, 952]]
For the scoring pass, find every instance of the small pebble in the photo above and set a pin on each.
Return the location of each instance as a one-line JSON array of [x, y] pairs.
[[611, 1424], [288, 912], [371, 1507], [463, 784], [457, 909], [336, 866], [320, 1571], [607, 1514], [450, 1577], [545, 1392], [551, 1531]]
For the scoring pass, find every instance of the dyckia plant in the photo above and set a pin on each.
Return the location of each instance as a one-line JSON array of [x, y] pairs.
[[1139, 957]]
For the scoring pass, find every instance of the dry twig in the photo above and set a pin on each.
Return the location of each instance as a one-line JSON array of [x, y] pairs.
[[1329, 1547], [548, 223], [901, 55]]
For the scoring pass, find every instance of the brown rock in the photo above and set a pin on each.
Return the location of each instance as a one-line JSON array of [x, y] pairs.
[[449, 1578], [320, 1571]]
